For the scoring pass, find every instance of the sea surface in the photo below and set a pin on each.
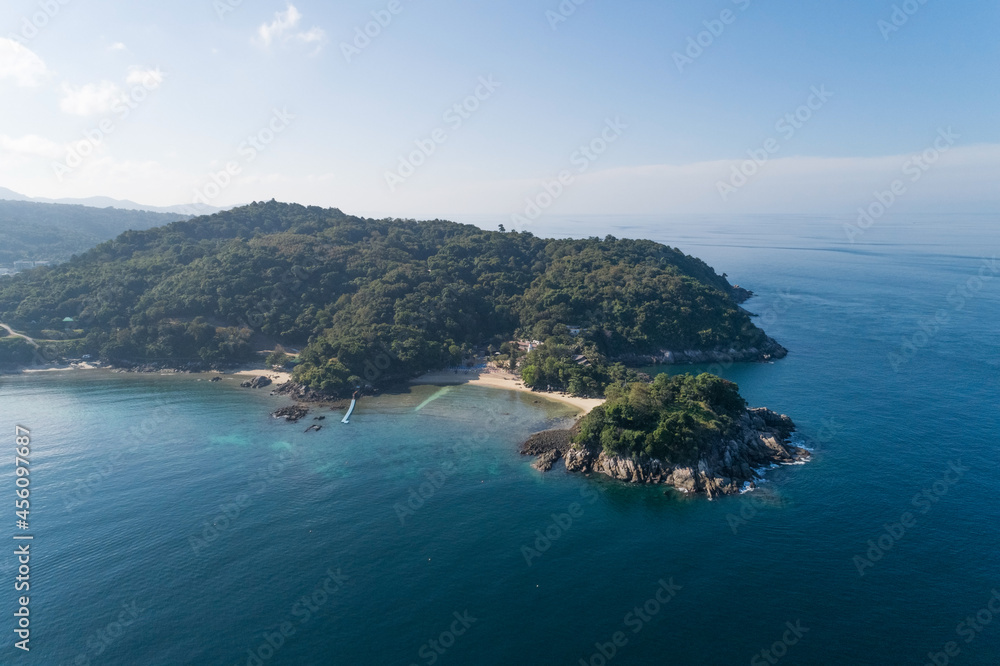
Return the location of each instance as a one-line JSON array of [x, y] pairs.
[[174, 522]]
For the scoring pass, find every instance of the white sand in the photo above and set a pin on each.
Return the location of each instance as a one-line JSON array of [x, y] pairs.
[[277, 376], [59, 368], [504, 380]]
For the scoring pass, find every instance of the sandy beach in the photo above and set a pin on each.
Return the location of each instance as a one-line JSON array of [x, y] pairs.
[[60, 368], [276, 376], [497, 380], [503, 380]]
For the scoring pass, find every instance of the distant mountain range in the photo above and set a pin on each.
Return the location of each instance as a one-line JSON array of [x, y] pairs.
[[108, 202], [32, 232]]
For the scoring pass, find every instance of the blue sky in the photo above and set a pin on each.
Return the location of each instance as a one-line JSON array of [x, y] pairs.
[[183, 85]]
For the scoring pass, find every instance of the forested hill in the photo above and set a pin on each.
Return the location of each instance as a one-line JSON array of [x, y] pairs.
[[414, 295], [55, 232]]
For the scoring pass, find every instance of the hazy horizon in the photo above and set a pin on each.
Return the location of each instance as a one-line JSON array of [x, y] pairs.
[[444, 110]]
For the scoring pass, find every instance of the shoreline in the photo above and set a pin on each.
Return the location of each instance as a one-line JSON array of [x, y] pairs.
[[496, 380], [502, 380], [61, 368], [278, 377]]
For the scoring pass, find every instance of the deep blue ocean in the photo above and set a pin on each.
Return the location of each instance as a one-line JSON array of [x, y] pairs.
[[174, 522]]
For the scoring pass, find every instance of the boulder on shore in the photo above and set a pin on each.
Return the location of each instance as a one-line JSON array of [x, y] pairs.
[[257, 382], [545, 461], [547, 440], [291, 413]]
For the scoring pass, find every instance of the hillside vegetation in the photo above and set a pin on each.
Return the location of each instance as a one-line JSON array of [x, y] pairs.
[[673, 419], [378, 300], [55, 232]]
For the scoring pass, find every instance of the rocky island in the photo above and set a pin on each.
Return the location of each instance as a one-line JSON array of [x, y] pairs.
[[694, 434]]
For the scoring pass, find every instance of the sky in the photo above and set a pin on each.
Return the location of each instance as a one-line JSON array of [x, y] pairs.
[[442, 108]]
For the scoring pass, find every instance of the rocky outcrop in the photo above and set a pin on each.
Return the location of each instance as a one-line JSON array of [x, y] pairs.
[[547, 440], [741, 295], [303, 393], [759, 440], [291, 414], [545, 461], [766, 351], [257, 382]]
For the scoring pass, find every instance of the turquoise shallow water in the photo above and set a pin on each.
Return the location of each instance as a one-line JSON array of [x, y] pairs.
[[182, 501]]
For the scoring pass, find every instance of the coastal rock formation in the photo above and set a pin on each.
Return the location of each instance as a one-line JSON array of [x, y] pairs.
[[291, 414], [301, 393], [758, 441], [767, 351], [257, 382], [545, 461], [547, 440]]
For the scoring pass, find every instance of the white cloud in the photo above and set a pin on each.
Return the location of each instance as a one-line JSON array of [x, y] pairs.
[[314, 34], [89, 99], [21, 64], [150, 78], [963, 178], [117, 46], [282, 23], [284, 28], [94, 98], [31, 145]]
